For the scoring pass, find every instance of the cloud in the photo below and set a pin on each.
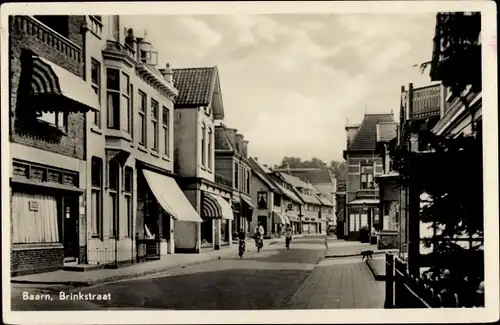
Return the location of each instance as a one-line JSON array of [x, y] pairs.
[[290, 82]]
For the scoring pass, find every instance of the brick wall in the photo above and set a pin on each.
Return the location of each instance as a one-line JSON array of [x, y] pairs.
[[29, 261], [72, 144]]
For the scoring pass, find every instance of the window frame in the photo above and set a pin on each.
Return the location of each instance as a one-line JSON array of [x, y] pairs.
[[166, 130], [96, 86], [114, 232], [370, 183], [110, 122], [97, 187], [128, 176], [154, 123], [126, 94], [262, 195], [142, 112], [209, 148], [236, 175], [62, 127], [202, 145]]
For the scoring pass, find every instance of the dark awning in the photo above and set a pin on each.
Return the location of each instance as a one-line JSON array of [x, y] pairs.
[[57, 89], [215, 206]]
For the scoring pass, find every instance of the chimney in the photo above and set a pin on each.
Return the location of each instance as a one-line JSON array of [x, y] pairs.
[[245, 148], [130, 39], [239, 143], [167, 73], [231, 134]]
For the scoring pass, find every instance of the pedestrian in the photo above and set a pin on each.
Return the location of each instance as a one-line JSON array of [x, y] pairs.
[[288, 236]]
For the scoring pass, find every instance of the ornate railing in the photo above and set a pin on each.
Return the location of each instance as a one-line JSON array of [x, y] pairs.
[[45, 34], [116, 47], [367, 193]]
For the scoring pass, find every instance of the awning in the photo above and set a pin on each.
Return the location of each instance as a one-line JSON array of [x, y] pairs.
[[57, 89], [278, 218], [364, 202], [214, 206], [170, 197], [292, 217], [340, 216], [247, 202], [287, 220]]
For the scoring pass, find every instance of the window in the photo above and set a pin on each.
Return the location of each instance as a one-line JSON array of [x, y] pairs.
[[143, 104], [262, 200], [236, 175], [58, 120], [58, 23], [127, 189], [96, 196], [209, 148], [203, 141], [114, 181], [113, 97], [248, 181], [95, 79], [154, 123], [125, 103], [166, 131], [367, 177]]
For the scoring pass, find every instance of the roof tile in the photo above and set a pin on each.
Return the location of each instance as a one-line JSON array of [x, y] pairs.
[[195, 85]]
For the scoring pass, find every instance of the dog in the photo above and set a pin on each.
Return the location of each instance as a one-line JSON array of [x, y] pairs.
[[368, 254]]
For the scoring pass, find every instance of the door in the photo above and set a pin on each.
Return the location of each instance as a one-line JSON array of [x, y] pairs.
[[263, 222], [70, 222]]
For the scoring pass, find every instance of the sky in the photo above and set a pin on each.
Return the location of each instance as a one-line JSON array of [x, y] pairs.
[[291, 82]]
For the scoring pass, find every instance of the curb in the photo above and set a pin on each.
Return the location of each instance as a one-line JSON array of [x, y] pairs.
[[376, 275], [114, 278], [354, 254]]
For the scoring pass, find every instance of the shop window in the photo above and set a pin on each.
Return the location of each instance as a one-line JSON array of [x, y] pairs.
[[96, 196], [154, 123], [35, 218], [262, 200]]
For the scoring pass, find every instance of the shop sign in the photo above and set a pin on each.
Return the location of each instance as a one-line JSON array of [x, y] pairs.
[[33, 205]]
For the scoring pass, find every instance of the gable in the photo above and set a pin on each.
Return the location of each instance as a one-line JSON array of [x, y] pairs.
[[366, 136]]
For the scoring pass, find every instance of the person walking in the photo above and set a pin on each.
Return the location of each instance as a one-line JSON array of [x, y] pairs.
[[288, 236]]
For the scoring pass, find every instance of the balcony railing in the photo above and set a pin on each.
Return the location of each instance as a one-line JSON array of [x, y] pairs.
[[95, 25], [367, 193], [45, 34], [117, 48]]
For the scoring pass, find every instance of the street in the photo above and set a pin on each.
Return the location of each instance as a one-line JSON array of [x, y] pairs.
[[274, 278]]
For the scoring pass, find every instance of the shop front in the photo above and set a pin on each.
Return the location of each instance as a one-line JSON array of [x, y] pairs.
[[218, 216], [164, 213]]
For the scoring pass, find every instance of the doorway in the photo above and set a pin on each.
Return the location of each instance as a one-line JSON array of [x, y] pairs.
[[69, 211]]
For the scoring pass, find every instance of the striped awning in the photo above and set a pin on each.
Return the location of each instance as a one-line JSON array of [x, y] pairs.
[[278, 218], [214, 206], [57, 89]]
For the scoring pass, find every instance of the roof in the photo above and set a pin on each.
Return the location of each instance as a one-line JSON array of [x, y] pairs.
[[298, 183], [260, 173], [386, 131], [366, 136], [291, 195], [324, 200], [312, 175], [195, 85]]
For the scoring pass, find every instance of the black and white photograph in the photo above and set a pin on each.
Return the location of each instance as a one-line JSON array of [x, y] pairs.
[[269, 161]]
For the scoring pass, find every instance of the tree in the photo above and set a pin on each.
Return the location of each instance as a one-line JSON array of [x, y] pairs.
[[451, 177], [295, 162]]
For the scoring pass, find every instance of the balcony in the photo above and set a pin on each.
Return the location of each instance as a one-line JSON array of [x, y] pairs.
[[95, 25], [115, 49], [33, 27]]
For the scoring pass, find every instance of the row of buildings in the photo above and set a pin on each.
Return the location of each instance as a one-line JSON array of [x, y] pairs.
[[391, 165], [113, 160]]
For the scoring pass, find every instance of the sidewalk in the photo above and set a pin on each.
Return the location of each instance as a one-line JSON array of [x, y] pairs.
[[342, 248], [339, 284], [166, 262]]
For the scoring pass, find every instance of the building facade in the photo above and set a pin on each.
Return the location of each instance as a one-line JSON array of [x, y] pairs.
[[133, 195], [232, 169], [363, 165], [49, 99], [197, 108], [268, 199]]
